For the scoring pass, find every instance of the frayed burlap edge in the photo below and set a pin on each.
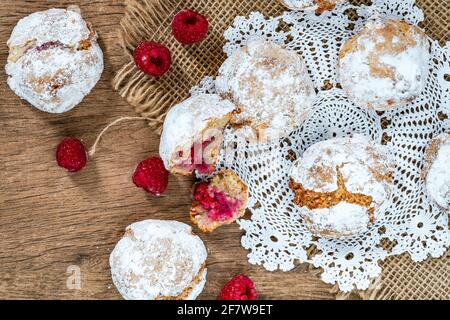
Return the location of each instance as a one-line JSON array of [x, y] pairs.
[[152, 98], [142, 18]]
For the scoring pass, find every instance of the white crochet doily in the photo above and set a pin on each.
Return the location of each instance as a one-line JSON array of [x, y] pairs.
[[275, 234]]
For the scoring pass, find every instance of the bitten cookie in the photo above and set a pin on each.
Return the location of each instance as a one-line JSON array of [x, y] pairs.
[[159, 260], [319, 6], [54, 60], [341, 185], [193, 134], [271, 88], [220, 201], [437, 170], [385, 65]]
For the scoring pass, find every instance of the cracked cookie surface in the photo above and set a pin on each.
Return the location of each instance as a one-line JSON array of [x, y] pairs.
[[385, 65], [54, 59], [341, 184], [159, 260], [319, 6], [271, 88]]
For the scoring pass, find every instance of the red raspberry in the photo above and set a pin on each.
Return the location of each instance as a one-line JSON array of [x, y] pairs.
[[152, 176], [240, 287], [71, 154], [189, 27], [152, 58]]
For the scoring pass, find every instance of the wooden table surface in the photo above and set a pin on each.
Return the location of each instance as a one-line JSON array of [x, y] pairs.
[[53, 223]]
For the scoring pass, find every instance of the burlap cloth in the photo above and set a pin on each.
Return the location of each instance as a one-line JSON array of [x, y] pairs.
[[150, 20]]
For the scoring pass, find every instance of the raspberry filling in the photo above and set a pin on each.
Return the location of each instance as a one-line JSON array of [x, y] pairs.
[[48, 45], [197, 160], [219, 206]]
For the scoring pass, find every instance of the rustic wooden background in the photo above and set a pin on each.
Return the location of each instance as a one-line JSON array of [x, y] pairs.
[[51, 220]]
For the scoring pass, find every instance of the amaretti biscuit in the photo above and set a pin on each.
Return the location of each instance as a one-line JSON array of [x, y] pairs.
[[317, 5], [193, 134], [219, 201], [436, 170], [159, 260], [341, 185], [54, 59], [270, 86], [385, 65]]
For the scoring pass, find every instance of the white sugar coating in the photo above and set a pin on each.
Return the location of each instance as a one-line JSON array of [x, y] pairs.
[[54, 60], [65, 26], [385, 65], [186, 121], [366, 169], [159, 259], [299, 4], [271, 87], [438, 177], [344, 218], [307, 4]]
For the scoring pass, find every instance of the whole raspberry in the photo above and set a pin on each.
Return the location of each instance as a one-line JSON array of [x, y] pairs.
[[189, 27], [152, 176], [240, 287], [71, 154], [152, 58]]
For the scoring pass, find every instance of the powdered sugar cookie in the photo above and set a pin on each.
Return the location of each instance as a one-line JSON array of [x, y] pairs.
[[437, 170], [271, 88], [193, 133], [341, 185], [317, 5], [159, 260], [385, 65], [220, 201], [54, 60]]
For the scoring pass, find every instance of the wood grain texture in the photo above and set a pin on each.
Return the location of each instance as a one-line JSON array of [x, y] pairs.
[[50, 220]]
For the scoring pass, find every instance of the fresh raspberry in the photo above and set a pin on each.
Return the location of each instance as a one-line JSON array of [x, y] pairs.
[[240, 287], [71, 154], [152, 176], [152, 58], [189, 27]]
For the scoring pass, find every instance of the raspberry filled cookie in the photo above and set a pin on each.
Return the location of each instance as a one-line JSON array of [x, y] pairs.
[[193, 134], [220, 201], [54, 60], [385, 65], [437, 170], [341, 185], [159, 260], [271, 88], [317, 5]]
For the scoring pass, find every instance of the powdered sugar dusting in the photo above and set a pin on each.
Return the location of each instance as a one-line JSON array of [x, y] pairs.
[[54, 60], [186, 121], [438, 177], [306, 4], [344, 218], [401, 73], [270, 85], [299, 4], [365, 168], [61, 25], [158, 259]]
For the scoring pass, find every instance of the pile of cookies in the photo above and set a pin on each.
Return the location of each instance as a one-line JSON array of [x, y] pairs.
[[342, 186]]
